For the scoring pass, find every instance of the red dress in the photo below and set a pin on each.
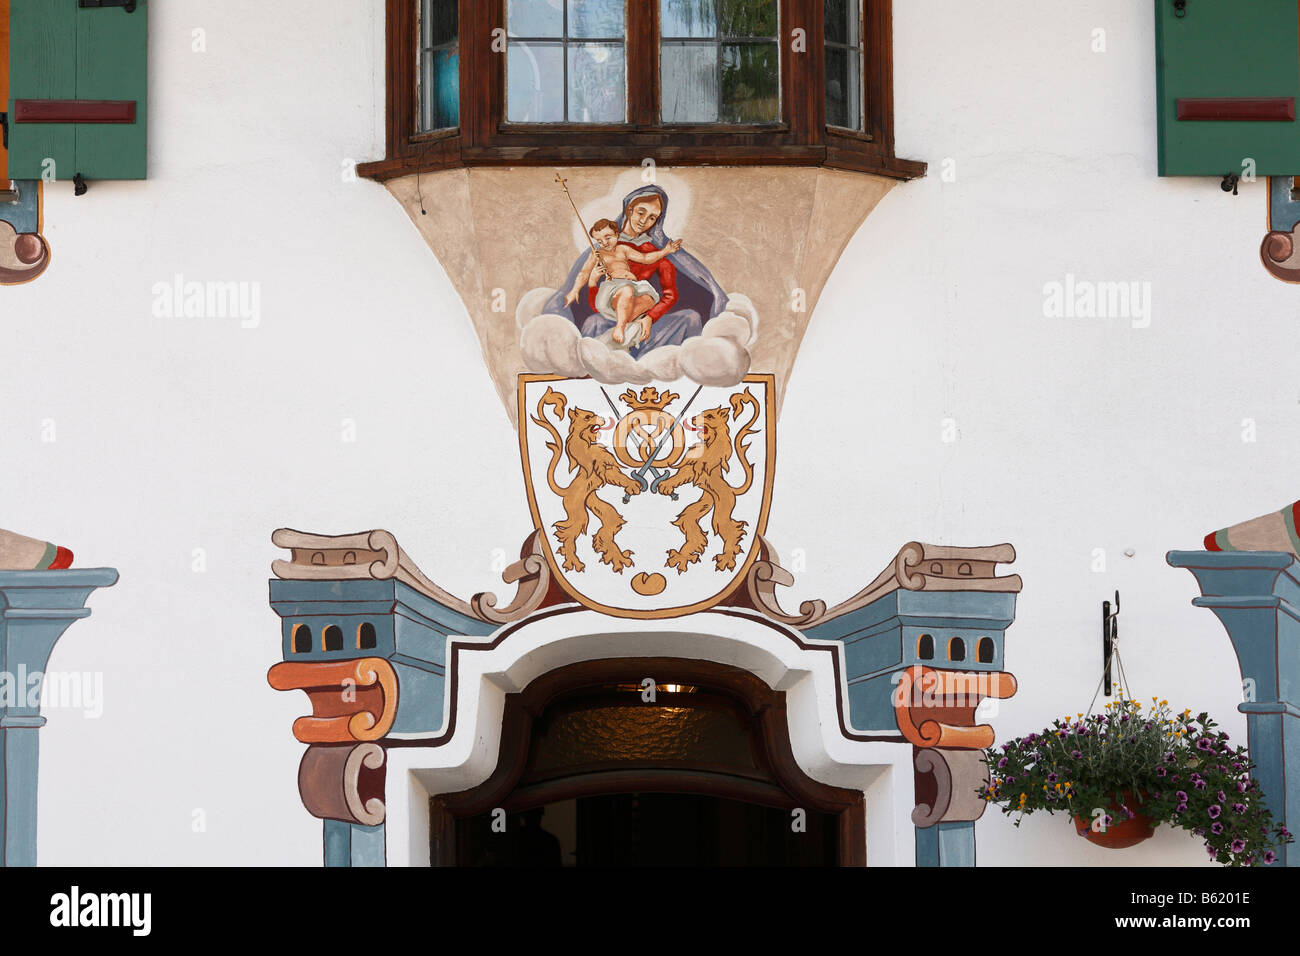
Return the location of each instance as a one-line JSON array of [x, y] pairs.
[[642, 270]]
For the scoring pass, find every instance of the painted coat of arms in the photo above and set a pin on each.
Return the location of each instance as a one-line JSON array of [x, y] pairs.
[[650, 499]]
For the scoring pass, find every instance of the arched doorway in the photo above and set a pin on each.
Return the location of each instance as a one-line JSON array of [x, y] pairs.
[[647, 760]]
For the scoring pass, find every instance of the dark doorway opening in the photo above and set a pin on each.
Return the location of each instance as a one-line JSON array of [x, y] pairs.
[[650, 829], [597, 770]]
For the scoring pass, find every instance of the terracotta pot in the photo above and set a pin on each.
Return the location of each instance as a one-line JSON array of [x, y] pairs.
[[1122, 832]]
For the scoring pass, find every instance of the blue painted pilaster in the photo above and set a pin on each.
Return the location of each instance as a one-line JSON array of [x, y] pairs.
[[1256, 596], [347, 844], [36, 607], [946, 844]]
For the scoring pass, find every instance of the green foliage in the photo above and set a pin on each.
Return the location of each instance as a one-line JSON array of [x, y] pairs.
[[1182, 770]]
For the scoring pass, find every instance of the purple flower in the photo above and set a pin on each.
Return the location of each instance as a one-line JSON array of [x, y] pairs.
[[1161, 772], [1032, 737], [1241, 788], [1200, 785], [1214, 854], [1124, 719], [1076, 754], [1238, 845], [1216, 827], [1284, 833], [1269, 857], [1011, 780], [1002, 763], [1062, 733], [1169, 757], [1204, 744], [1182, 796], [1238, 808], [1052, 778], [1181, 808], [1214, 811]]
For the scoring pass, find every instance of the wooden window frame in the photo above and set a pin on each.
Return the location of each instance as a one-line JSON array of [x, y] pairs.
[[483, 138]]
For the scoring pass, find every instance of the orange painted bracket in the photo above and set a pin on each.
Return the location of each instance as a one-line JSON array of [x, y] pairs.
[[352, 700], [936, 708]]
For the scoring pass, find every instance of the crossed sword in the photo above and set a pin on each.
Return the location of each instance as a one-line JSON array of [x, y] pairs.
[[648, 466]]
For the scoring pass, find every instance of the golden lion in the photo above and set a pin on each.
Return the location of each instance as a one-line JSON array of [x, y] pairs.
[[596, 467], [703, 466]]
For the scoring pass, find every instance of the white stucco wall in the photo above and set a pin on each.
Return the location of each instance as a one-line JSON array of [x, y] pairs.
[[180, 434]]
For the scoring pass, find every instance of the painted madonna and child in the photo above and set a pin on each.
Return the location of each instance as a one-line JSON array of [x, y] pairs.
[[637, 307]]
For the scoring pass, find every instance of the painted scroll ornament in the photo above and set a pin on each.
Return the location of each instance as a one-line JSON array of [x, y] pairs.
[[19, 553], [946, 786], [344, 783], [24, 253], [916, 567], [376, 556], [1275, 531]]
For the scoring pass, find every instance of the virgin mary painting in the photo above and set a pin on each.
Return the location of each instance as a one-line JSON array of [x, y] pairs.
[[686, 296]]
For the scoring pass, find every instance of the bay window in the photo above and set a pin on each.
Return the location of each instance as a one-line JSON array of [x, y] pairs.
[[617, 82]]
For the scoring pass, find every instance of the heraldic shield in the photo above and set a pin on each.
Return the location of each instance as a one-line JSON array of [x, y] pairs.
[[650, 498]]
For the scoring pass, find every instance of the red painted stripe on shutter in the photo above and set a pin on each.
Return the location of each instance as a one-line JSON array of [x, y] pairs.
[[1275, 109], [74, 111]]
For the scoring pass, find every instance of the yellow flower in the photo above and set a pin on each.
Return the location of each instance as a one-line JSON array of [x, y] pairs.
[[1164, 703]]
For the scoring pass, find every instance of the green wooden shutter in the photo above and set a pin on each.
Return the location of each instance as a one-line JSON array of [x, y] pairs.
[[1230, 51], [60, 51]]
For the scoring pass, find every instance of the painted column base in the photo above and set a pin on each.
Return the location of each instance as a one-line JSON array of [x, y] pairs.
[[20, 743]]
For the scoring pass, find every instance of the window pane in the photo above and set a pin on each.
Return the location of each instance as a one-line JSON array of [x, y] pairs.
[[438, 20], [844, 88], [690, 82], [596, 18], [535, 18], [688, 18], [747, 18], [439, 65], [837, 20], [596, 83], [440, 89], [844, 81], [535, 83], [751, 90]]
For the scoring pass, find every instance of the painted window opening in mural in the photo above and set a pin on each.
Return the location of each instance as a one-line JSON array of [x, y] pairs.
[[302, 638], [366, 639], [925, 647], [720, 62], [439, 65], [986, 650], [332, 637], [845, 55], [956, 649], [566, 61]]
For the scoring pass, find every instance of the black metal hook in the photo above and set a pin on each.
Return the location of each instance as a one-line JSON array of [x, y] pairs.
[[1229, 184], [1180, 8], [79, 186], [1109, 635]]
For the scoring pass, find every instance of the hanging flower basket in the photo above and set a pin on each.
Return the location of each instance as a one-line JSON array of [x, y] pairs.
[[1139, 769], [1123, 824]]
